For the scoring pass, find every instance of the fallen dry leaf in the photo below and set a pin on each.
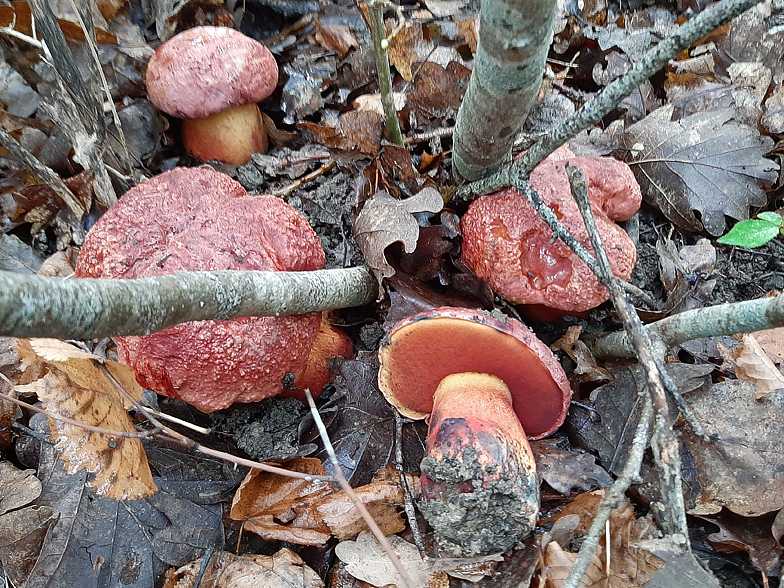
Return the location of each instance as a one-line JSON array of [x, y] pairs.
[[772, 341], [76, 387], [408, 47], [558, 563], [385, 220], [366, 561], [743, 468], [752, 364], [753, 535], [309, 513], [337, 38], [587, 369], [285, 569], [702, 162]]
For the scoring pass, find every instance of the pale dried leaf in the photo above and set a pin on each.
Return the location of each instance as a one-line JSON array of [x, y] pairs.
[[285, 569], [558, 563], [366, 561], [754, 365], [772, 341], [703, 162], [17, 487], [57, 350], [337, 38], [408, 47], [80, 390], [385, 220], [381, 499]]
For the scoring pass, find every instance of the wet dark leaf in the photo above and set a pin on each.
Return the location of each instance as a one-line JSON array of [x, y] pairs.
[[753, 535], [743, 470], [363, 430], [703, 162]]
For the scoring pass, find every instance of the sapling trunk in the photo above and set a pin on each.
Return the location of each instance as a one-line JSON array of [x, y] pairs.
[[514, 39]]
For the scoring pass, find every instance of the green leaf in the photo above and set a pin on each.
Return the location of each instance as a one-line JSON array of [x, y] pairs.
[[750, 233], [771, 217]]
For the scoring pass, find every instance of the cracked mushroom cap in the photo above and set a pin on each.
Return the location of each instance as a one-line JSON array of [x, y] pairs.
[[509, 246], [425, 348], [198, 219], [205, 70]]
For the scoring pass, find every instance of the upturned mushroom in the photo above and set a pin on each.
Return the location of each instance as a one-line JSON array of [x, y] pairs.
[[487, 383], [506, 243], [199, 219], [212, 78]]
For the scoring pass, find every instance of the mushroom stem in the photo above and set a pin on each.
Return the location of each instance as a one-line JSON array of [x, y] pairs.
[[480, 491], [231, 135]]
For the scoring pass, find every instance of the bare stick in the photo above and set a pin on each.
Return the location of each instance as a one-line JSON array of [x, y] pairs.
[[36, 306], [346, 487], [380, 44], [665, 444], [408, 502], [614, 496]]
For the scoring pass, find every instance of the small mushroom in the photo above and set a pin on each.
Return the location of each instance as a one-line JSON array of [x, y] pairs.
[[507, 244], [199, 219], [212, 78], [487, 383]]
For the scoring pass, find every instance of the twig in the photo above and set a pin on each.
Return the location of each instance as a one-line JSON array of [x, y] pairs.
[[346, 487], [37, 306], [380, 44], [597, 108], [408, 502], [614, 496], [665, 445], [283, 192], [714, 321]]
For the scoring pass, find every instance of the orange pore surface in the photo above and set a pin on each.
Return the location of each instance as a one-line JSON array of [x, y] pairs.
[[421, 353]]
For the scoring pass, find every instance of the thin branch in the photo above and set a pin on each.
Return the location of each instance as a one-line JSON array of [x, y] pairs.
[[408, 502], [346, 487], [614, 496], [603, 103], [380, 44], [714, 321], [665, 444], [36, 306]]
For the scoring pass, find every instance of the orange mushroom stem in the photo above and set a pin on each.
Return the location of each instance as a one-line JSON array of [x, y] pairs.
[[486, 382], [479, 462]]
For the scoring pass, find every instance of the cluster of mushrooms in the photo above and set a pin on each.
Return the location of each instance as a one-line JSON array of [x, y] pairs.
[[484, 381]]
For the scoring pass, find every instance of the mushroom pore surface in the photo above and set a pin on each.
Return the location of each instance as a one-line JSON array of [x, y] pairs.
[[198, 219]]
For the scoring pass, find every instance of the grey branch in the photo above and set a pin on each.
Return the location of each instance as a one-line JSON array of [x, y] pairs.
[[504, 84], [714, 321], [36, 306]]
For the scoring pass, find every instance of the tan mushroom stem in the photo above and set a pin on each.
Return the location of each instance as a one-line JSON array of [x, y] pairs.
[[478, 462], [231, 135]]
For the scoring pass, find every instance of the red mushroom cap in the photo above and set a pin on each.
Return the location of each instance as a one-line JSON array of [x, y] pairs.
[[425, 348], [199, 219], [506, 243], [207, 69]]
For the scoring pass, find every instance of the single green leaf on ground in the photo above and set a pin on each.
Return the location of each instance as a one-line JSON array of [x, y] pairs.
[[751, 233]]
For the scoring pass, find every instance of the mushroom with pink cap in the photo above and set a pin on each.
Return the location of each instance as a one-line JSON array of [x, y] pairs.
[[487, 384], [212, 78], [192, 219], [508, 245]]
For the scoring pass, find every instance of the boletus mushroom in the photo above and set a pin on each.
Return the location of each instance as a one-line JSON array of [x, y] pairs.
[[212, 78], [192, 219], [487, 383], [506, 243]]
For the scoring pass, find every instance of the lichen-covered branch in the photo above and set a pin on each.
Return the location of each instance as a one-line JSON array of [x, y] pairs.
[[378, 33], [714, 321], [593, 111], [36, 306], [515, 37]]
